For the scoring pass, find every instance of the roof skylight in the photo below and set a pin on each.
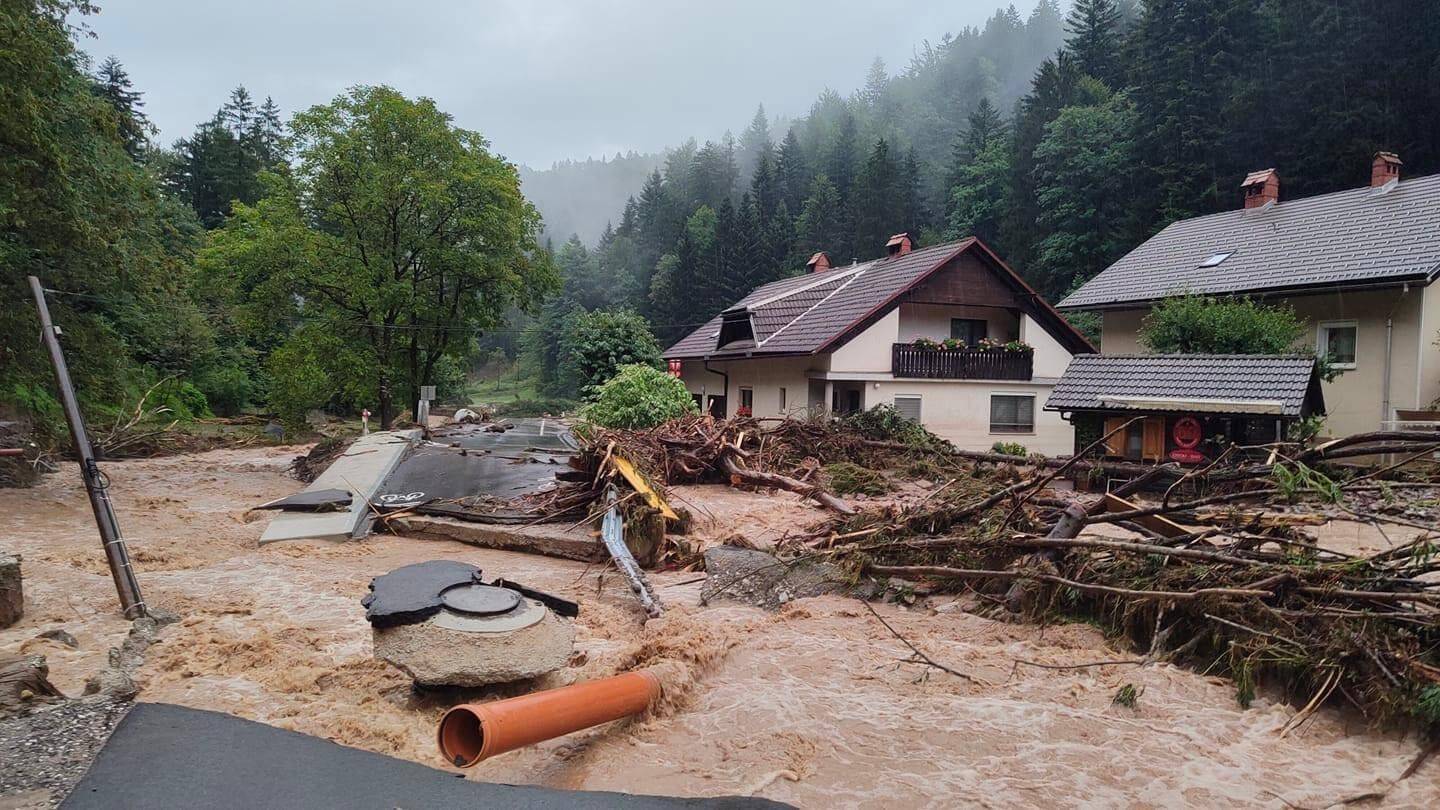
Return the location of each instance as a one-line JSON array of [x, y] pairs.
[[1216, 258]]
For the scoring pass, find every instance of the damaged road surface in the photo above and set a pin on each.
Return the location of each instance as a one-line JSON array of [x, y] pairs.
[[475, 472]]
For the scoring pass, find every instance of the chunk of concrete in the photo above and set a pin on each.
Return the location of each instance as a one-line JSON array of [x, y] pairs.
[[454, 650], [566, 543], [761, 579], [12, 592], [361, 470]]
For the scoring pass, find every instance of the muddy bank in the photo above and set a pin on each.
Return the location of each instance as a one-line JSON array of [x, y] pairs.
[[815, 705]]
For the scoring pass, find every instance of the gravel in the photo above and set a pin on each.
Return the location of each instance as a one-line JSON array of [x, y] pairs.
[[44, 753]]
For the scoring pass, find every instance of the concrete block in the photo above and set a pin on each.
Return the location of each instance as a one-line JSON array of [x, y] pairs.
[[361, 470]]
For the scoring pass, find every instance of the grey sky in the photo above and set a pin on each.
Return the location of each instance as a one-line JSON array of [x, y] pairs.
[[542, 79]]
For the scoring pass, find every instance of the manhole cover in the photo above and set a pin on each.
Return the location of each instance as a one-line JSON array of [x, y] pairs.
[[479, 600]]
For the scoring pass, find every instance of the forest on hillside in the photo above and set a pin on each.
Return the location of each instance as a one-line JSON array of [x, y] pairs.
[[1062, 159], [273, 264]]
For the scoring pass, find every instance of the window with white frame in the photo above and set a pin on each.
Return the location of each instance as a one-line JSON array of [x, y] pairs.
[[1012, 413], [1337, 342], [747, 398], [908, 407], [782, 399]]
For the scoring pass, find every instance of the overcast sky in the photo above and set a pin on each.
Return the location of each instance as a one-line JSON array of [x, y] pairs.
[[542, 79]]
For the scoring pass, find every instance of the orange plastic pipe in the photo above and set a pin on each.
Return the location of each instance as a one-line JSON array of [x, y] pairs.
[[473, 732]]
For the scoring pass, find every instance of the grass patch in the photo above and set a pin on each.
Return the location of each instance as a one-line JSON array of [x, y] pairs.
[[852, 479]]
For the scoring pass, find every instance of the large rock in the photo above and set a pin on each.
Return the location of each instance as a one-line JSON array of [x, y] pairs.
[[12, 594]]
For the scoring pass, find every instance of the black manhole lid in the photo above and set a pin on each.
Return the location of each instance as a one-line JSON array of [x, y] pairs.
[[479, 600]]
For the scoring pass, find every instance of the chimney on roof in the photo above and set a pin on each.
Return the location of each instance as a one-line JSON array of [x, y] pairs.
[[898, 245], [1260, 188], [818, 263], [1384, 168]]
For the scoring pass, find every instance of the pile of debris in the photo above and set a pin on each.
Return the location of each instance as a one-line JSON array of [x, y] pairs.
[[1218, 570]]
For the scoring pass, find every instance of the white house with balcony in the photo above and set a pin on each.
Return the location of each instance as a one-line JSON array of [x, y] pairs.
[[948, 335]]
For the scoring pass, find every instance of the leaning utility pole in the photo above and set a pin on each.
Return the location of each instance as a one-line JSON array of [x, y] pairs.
[[131, 603]]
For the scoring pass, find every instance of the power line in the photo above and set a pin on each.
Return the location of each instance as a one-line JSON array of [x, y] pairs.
[[359, 322]]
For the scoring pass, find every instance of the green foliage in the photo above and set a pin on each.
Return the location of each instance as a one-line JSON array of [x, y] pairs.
[[1200, 324], [1127, 696], [79, 212], [638, 396], [852, 479], [320, 247], [1298, 479], [1009, 449], [1427, 705], [884, 423], [535, 407], [596, 344]]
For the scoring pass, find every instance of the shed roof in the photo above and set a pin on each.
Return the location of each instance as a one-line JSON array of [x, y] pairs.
[[1363, 236], [1259, 384]]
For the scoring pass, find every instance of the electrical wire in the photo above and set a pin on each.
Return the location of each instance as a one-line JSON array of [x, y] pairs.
[[360, 322]]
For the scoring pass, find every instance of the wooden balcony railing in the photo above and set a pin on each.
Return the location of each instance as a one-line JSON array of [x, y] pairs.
[[960, 364]]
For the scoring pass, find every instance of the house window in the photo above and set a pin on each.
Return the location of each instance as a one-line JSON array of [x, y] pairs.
[[1012, 413], [908, 407], [782, 399], [747, 401], [970, 330], [1337, 342]]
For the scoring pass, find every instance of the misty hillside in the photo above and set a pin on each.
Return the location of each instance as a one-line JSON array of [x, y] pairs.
[[577, 197], [924, 106]]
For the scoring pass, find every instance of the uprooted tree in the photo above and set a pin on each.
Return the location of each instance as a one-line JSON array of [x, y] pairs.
[[397, 239]]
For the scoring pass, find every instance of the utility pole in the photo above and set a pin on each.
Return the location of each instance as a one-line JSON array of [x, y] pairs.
[[96, 485]]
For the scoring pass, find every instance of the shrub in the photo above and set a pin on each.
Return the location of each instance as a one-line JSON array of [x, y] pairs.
[[884, 423], [1009, 449], [638, 396], [554, 406], [1199, 324]]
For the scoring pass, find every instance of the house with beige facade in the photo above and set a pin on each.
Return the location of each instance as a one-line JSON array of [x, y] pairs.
[[1358, 265], [948, 335]]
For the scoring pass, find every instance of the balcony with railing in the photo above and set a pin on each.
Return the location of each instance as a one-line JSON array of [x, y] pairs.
[[907, 360]]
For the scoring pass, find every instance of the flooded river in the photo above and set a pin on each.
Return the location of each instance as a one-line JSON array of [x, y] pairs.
[[817, 705]]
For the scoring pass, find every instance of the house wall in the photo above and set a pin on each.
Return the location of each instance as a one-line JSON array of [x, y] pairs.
[[960, 411], [1354, 400], [765, 377], [1051, 359], [933, 321], [870, 351], [1427, 377]]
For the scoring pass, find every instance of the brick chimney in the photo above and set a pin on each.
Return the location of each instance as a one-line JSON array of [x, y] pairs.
[[1260, 188], [898, 245], [818, 263], [1384, 168]]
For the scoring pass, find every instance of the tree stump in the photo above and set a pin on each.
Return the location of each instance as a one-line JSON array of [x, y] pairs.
[[12, 595]]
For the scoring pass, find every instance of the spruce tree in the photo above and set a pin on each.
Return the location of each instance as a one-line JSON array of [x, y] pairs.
[[113, 84], [1094, 28], [793, 171]]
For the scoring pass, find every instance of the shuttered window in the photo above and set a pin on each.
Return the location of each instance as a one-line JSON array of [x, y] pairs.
[[1012, 413], [908, 407]]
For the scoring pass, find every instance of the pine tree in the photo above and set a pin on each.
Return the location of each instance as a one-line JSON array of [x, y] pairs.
[[793, 171], [820, 225], [754, 143], [268, 134], [877, 81], [841, 163], [876, 203], [1095, 27], [113, 84]]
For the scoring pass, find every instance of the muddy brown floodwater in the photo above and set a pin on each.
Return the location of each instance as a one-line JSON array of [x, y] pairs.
[[814, 705]]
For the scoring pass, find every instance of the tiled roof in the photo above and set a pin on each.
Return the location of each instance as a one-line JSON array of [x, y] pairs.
[[1360, 236], [1096, 382], [804, 314]]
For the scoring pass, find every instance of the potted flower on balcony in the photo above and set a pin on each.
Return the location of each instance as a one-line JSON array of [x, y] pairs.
[[924, 343], [953, 343]]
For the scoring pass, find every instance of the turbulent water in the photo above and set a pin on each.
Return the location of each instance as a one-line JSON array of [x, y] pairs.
[[818, 705]]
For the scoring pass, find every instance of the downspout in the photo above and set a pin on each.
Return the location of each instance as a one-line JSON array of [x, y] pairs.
[[1389, 341], [725, 390]]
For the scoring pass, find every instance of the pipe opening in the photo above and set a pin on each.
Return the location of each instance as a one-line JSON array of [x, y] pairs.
[[461, 737]]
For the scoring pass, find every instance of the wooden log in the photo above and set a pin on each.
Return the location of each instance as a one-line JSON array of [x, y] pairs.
[[1155, 523], [785, 482], [1070, 524]]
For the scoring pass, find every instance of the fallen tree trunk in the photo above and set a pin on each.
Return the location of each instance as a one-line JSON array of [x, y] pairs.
[[785, 482]]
